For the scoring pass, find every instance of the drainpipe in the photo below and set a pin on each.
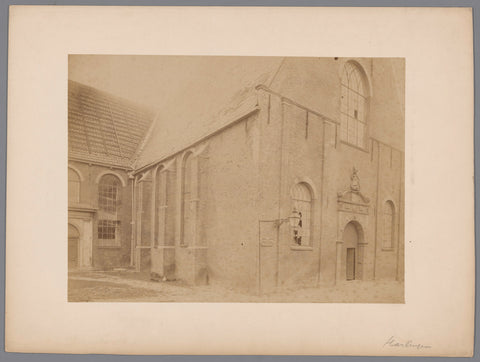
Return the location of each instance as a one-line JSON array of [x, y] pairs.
[[280, 190], [133, 223]]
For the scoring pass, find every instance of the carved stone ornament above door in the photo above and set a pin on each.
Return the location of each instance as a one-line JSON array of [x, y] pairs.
[[352, 199]]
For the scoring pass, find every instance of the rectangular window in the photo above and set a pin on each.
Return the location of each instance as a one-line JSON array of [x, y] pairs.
[[108, 234]]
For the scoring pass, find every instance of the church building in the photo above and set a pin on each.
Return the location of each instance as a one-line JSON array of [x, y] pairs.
[[273, 173]]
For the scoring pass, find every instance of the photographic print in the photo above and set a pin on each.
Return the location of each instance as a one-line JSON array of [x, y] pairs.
[[182, 182], [235, 179]]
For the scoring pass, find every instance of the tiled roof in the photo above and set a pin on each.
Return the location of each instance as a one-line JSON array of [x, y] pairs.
[[104, 128]]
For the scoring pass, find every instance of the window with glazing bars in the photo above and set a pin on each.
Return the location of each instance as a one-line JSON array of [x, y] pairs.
[[107, 229], [108, 202], [302, 202], [353, 106], [108, 194]]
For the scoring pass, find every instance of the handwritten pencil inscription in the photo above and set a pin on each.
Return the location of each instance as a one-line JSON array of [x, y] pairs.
[[398, 342]]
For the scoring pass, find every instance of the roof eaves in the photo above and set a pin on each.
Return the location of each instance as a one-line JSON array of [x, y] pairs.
[[101, 161]]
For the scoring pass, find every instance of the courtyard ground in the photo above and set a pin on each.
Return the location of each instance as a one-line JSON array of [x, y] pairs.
[[128, 286]]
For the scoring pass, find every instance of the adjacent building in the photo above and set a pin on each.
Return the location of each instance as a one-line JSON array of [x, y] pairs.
[[104, 134]]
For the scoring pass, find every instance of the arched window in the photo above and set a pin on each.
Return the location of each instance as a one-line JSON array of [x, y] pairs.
[[388, 224], [187, 222], [353, 108], [109, 192], [302, 202], [73, 186]]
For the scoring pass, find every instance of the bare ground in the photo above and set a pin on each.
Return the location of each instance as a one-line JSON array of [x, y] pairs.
[[127, 286]]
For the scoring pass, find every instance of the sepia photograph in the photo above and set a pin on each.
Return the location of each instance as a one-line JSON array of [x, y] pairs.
[[235, 179], [260, 181]]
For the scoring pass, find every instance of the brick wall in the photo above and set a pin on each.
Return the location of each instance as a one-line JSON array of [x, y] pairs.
[[107, 257]]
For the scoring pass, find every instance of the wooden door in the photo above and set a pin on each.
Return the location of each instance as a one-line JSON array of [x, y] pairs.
[[350, 263]]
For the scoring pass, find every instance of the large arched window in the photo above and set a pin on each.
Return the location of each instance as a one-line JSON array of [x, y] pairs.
[[302, 202], [353, 108], [187, 220], [109, 192], [388, 224], [73, 186]]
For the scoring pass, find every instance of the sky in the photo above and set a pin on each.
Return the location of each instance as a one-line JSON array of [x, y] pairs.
[[186, 93], [156, 81]]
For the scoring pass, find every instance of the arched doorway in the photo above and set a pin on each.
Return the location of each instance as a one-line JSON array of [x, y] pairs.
[[352, 235], [73, 246]]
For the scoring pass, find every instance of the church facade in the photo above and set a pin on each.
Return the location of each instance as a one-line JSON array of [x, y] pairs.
[[299, 182]]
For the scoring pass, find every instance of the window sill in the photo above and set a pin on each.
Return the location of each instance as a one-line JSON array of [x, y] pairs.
[[388, 249], [109, 246], [301, 248]]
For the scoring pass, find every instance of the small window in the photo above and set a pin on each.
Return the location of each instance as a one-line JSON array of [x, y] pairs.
[[388, 225], [302, 202], [107, 229]]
